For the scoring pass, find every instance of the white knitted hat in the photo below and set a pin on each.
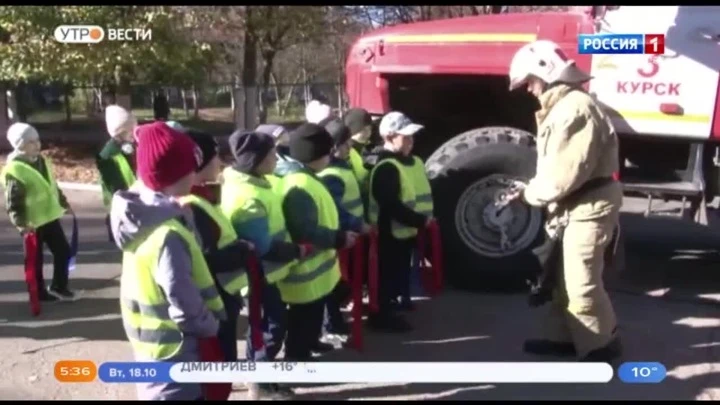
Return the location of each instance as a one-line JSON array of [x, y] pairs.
[[119, 120], [19, 133]]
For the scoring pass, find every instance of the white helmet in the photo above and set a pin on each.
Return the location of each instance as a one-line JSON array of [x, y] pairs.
[[545, 60]]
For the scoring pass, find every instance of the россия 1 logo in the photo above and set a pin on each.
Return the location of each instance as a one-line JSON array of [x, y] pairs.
[[92, 34], [618, 44]]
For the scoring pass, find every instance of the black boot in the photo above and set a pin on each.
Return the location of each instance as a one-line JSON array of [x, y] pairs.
[[544, 347], [605, 354]]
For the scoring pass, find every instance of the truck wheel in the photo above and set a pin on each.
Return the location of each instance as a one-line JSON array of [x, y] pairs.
[[466, 174]]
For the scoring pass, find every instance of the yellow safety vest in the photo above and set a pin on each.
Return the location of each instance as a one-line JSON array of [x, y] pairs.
[[145, 311], [274, 181], [423, 192], [125, 172], [407, 196], [233, 281], [314, 276], [239, 189], [42, 197], [361, 173], [351, 199]]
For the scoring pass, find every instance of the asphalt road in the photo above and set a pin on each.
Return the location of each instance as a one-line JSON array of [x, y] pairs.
[[668, 304]]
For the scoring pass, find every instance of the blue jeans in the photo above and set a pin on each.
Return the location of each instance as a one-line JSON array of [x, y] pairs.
[[274, 324]]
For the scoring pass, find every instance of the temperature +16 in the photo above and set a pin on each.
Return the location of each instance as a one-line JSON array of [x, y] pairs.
[[284, 366]]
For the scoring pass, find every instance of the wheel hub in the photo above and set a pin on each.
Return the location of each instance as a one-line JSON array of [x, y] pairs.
[[492, 229]]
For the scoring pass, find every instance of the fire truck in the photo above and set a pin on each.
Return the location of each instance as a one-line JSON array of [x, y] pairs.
[[451, 76]]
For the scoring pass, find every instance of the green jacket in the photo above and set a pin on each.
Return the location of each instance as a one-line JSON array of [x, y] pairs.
[[109, 173]]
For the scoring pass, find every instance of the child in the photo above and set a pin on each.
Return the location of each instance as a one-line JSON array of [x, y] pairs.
[[169, 302], [311, 217], [392, 202], [255, 211], [284, 162], [340, 181], [116, 160], [359, 122], [225, 254], [35, 204]]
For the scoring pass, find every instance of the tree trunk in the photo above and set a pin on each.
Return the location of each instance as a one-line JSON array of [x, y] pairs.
[[97, 100], [68, 108], [183, 94], [268, 60], [276, 88], [21, 107], [289, 95], [122, 97], [5, 121], [122, 93], [249, 75], [196, 107]]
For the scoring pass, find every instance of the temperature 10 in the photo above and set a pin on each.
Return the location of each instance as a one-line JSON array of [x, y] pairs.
[[639, 373]]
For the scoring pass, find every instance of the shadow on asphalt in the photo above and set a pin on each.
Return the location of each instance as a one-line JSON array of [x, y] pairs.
[[92, 319], [672, 257], [481, 332], [85, 284]]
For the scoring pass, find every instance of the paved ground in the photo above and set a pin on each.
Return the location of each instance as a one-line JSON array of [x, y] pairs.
[[672, 267]]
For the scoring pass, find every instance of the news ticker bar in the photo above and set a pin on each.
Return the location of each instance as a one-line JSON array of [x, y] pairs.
[[360, 372], [621, 44]]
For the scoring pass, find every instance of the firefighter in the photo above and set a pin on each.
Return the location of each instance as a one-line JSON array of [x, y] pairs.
[[35, 204], [116, 160], [311, 217], [359, 122], [255, 210], [392, 210], [577, 157], [225, 254], [340, 181], [168, 298]]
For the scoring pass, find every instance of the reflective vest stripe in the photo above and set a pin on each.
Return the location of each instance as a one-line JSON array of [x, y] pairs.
[[153, 336], [407, 196], [353, 205], [234, 281], [227, 233], [351, 199], [126, 173], [423, 192], [238, 189], [358, 168], [326, 266], [315, 276], [160, 311], [145, 310]]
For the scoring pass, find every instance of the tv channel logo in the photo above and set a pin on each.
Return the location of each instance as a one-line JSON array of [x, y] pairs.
[[619, 44], [79, 34]]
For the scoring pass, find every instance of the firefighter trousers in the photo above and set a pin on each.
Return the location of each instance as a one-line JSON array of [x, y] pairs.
[[581, 311]]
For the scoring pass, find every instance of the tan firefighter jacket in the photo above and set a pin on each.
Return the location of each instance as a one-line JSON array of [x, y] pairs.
[[576, 143]]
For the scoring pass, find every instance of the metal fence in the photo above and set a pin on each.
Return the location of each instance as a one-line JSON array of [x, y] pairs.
[[46, 105]]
